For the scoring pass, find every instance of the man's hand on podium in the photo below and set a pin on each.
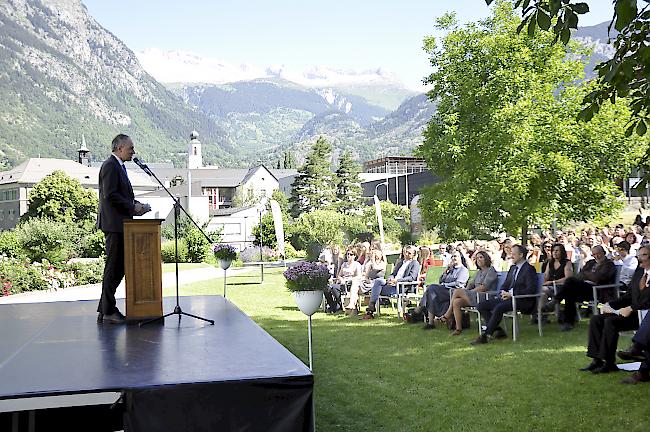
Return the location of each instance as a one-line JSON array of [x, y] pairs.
[[141, 209]]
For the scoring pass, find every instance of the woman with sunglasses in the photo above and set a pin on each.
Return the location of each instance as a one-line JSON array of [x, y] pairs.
[[374, 269], [558, 268], [350, 272]]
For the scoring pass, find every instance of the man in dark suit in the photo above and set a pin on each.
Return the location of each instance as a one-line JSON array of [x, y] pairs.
[[521, 280], [618, 315], [639, 351], [116, 203], [599, 271], [407, 270]]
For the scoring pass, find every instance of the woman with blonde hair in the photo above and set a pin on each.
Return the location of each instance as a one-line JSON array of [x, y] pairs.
[[374, 269]]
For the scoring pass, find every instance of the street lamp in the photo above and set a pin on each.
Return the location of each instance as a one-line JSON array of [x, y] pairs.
[[382, 184]]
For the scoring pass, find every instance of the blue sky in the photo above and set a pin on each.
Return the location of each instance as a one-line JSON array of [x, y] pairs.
[[349, 34]]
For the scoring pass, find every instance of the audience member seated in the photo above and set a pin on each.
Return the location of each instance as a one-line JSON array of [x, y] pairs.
[[374, 269], [484, 280], [634, 242], [521, 280], [362, 252], [639, 351], [546, 252], [598, 271], [618, 315], [436, 297], [621, 256], [351, 272], [406, 270], [425, 258], [558, 270]]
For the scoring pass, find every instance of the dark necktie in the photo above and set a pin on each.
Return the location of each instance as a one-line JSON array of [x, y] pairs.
[[644, 281]]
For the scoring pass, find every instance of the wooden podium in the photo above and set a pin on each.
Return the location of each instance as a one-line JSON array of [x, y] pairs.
[[142, 268]]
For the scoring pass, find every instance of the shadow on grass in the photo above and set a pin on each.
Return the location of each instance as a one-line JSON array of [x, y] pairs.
[[422, 380]]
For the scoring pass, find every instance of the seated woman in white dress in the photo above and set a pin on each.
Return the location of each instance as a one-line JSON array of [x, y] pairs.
[[374, 269]]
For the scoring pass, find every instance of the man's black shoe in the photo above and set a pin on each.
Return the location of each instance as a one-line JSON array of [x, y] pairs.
[[596, 363], [115, 318], [428, 326], [480, 340], [499, 333], [100, 318], [633, 353], [566, 327], [605, 368]]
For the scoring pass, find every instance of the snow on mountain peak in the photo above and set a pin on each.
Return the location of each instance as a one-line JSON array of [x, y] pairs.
[[188, 67]]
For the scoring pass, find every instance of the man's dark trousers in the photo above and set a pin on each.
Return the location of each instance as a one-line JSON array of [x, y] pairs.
[[603, 334], [642, 339], [113, 271], [492, 311]]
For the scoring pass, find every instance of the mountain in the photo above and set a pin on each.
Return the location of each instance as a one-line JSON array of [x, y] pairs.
[[376, 86], [596, 37], [62, 74]]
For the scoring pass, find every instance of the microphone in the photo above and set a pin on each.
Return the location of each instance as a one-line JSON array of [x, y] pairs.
[[142, 165]]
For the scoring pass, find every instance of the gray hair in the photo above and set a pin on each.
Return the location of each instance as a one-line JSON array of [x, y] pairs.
[[119, 139]]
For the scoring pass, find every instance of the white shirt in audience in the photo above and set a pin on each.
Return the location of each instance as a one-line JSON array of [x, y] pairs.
[[628, 267], [402, 269]]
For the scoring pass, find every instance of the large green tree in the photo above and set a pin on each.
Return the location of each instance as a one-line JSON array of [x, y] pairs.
[[61, 198], [626, 74], [314, 188], [505, 141], [348, 184]]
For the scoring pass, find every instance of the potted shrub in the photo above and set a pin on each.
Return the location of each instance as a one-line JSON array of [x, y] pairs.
[[225, 253], [307, 281]]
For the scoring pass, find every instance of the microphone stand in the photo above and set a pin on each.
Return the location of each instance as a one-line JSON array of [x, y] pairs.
[[177, 208]]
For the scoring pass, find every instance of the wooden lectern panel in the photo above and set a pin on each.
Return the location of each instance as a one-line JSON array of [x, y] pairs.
[[142, 268]]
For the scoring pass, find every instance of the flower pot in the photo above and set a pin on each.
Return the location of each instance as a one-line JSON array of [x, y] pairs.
[[308, 301], [225, 263]]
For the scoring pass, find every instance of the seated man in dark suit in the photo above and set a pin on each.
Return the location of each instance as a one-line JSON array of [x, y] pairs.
[[407, 270], [599, 271], [639, 351], [618, 315], [521, 280]]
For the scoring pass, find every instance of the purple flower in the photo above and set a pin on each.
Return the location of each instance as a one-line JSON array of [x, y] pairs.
[[307, 276], [224, 251]]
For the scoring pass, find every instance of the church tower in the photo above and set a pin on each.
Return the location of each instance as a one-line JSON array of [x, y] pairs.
[[84, 153], [194, 158]]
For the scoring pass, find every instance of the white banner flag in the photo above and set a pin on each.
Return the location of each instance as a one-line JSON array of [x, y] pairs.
[[380, 221], [279, 228]]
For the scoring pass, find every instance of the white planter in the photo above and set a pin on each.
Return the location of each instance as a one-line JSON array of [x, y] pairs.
[[225, 264], [308, 301]]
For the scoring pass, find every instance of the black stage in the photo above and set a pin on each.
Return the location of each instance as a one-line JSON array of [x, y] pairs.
[[188, 376]]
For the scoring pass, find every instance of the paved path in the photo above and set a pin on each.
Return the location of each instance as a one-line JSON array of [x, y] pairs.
[[93, 291]]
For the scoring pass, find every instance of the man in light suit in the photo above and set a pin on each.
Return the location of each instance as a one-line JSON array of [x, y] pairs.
[[521, 280], [116, 203], [407, 270]]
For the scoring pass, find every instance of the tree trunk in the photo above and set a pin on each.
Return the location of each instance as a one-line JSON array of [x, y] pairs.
[[524, 234]]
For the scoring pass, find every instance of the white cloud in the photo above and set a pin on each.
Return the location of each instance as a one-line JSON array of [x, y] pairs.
[[188, 67]]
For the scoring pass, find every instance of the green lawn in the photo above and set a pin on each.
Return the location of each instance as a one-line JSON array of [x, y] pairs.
[[384, 375]]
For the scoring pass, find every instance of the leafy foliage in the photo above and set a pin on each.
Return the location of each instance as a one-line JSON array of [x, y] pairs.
[[45, 239], [348, 184], [313, 230], [197, 246], [10, 245], [314, 188], [626, 74], [167, 251], [505, 140], [61, 198]]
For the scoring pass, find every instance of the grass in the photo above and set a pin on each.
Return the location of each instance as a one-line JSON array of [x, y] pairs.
[[171, 267], [384, 375]]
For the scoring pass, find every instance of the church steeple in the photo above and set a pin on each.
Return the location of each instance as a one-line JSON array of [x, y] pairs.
[[84, 153], [194, 157]]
